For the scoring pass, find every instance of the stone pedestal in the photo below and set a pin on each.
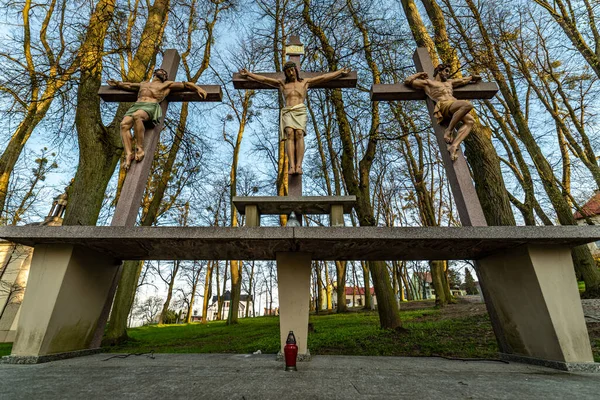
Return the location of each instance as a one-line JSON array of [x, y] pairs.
[[534, 290], [67, 289], [293, 279]]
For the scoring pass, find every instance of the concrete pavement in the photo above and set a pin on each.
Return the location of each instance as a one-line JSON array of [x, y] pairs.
[[226, 376]]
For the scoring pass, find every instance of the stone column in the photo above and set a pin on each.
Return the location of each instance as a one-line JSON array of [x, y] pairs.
[[67, 290], [539, 307], [293, 280]]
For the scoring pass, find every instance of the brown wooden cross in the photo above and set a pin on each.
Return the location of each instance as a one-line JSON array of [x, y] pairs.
[[135, 182], [136, 179], [467, 202], [294, 51]]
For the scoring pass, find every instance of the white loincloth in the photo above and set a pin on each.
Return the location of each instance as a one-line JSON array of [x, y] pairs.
[[292, 117]]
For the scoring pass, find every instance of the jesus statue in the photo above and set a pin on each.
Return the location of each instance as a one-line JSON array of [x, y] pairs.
[[293, 116]]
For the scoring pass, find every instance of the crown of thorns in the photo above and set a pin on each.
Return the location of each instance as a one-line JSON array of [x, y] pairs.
[[292, 65], [439, 68], [164, 71]]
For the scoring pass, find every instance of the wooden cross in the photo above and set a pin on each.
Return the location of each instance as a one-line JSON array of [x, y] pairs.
[[465, 196], [135, 182], [136, 179], [295, 50]]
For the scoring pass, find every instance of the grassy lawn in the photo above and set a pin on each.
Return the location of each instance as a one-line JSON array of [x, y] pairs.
[[460, 330], [355, 333], [5, 349]]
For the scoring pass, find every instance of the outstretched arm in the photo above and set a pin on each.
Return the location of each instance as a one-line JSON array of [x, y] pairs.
[[465, 81], [260, 78], [327, 77], [189, 86], [134, 87], [417, 81]]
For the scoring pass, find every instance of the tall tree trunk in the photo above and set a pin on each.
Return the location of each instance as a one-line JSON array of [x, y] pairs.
[[188, 318], [479, 150], [207, 286], [251, 291], [367, 285], [53, 77], [584, 263], [171, 283], [389, 316], [340, 267], [236, 266]]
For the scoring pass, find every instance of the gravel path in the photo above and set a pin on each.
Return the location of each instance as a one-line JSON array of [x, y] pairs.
[[591, 309]]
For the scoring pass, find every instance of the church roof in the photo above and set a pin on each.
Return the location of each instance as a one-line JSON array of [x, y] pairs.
[[591, 208]]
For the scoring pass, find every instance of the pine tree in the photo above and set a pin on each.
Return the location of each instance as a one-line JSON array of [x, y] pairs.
[[470, 286]]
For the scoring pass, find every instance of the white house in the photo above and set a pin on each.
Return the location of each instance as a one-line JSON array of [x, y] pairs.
[[213, 308]]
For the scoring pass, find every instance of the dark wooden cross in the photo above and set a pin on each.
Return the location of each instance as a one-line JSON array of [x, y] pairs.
[[295, 50], [467, 202], [136, 179], [463, 190], [135, 182]]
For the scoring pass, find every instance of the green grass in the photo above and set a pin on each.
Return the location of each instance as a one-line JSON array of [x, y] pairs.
[[426, 333], [5, 349], [355, 333]]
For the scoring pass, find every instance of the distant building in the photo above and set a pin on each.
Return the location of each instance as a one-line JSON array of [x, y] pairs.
[[591, 209], [423, 283], [213, 308], [355, 296]]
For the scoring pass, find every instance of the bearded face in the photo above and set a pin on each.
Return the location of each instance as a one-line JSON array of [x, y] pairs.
[[290, 74], [445, 74], [161, 74]]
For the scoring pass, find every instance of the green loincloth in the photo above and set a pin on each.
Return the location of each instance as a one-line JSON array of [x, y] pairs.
[[292, 117], [152, 109], [442, 111]]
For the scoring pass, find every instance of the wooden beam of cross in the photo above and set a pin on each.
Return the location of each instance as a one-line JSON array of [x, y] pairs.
[[136, 179], [465, 196], [135, 182], [294, 50]]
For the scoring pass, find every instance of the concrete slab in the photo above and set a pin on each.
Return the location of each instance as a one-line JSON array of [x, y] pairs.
[[324, 243], [224, 376], [275, 205]]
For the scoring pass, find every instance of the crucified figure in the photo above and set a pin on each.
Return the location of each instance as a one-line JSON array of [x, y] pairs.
[[293, 116], [448, 111], [147, 109]]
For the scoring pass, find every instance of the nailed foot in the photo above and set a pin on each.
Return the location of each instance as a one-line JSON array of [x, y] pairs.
[[299, 170], [448, 136], [291, 170], [139, 154], [453, 150], [128, 159]]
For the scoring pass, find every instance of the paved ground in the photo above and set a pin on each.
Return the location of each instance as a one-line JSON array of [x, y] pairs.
[[224, 376], [591, 309]]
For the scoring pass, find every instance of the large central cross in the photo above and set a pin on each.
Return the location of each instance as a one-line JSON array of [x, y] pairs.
[[465, 196], [294, 50], [128, 205]]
